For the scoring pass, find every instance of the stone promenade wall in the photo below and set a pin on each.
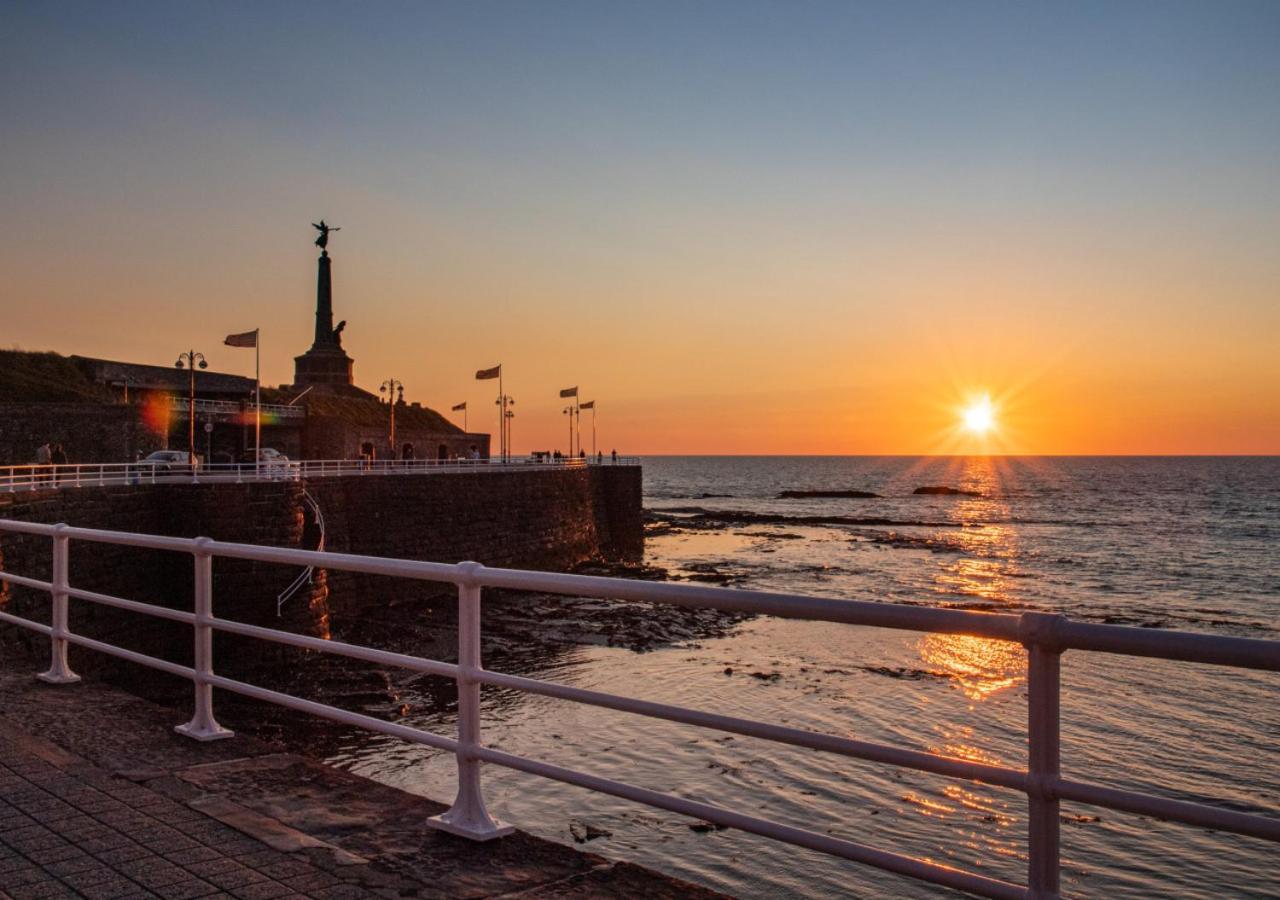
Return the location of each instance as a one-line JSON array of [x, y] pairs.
[[88, 432], [549, 519]]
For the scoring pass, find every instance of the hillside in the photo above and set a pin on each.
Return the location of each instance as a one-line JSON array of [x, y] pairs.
[[27, 377], [365, 410]]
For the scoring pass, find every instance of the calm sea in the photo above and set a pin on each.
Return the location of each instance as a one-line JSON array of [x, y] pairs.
[[1171, 543]]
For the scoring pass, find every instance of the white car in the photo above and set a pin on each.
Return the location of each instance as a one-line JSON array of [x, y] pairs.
[[167, 460], [275, 464]]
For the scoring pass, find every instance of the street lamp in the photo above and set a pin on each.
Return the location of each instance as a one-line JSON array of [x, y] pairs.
[[189, 361], [511, 414], [568, 411], [505, 401], [393, 388]]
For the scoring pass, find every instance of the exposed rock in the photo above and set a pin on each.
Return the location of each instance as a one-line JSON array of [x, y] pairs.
[[585, 831], [705, 827], [944, 491], [695, 518], [771, 535], [849, 495]]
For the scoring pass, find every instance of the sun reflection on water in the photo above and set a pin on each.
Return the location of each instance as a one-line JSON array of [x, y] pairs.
[[978, 666]]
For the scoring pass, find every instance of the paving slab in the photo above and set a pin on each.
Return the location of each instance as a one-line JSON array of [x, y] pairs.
[[99, 798]]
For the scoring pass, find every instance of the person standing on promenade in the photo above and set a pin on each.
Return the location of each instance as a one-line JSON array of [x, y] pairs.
[[43, 457], [615, 457], [59, 458]]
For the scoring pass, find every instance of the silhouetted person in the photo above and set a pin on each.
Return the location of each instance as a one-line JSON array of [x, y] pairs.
[[615, 457], [43, 458], [58, 457]]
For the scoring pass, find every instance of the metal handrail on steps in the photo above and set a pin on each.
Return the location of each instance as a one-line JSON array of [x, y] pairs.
[[309, 572], [1045, 636]]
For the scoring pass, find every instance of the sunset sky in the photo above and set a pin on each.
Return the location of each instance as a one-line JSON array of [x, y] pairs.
[[739, 227]]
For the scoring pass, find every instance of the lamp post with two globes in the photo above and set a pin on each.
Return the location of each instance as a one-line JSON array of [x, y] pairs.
[[395, 394], [189, 361]]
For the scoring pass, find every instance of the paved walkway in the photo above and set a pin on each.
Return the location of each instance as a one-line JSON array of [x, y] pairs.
[[77, 831], [100, 799]]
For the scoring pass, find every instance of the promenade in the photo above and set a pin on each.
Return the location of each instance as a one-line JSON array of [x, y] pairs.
[[15, 478], [100, 799]]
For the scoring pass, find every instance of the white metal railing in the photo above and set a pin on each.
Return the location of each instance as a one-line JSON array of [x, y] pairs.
[[1045, 636], [69, 475]]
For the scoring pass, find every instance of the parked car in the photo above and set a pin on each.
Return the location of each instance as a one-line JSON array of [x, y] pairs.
[[167, 460], [275, 464]]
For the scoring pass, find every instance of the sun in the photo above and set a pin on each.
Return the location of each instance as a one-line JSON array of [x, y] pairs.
[[979, 417]]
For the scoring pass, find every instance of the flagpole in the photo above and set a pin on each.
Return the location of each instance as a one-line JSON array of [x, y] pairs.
[[257, 397], [502, 417]]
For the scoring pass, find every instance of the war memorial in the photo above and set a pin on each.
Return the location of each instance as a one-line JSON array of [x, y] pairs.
[[104, 411]]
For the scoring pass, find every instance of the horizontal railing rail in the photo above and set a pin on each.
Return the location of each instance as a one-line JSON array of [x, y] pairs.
[[74, 475], [1045, 636]]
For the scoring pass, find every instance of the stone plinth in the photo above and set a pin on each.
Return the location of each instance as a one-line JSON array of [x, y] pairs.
[[326, 363], [323, 365]]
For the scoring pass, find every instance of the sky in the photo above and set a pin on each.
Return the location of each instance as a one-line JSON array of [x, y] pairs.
[[740, 227]]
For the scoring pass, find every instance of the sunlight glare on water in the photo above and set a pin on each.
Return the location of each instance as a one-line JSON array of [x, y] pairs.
[[1183, 544]]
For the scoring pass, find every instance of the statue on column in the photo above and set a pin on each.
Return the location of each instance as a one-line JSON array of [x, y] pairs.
[[323, 240]]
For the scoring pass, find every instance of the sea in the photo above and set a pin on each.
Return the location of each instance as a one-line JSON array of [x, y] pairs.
[[1188, 544]]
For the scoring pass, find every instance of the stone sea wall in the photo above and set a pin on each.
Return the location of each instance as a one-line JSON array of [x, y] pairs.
[[549, 519], [86, 431]]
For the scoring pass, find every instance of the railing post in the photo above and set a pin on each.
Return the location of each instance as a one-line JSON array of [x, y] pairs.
[[59, 668], [203, 726], [1044, 654], [468, 817]]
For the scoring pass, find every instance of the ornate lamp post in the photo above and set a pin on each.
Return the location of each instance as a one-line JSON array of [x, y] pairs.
[[395, 394], [511, 414], [505, 402], [189, 361]]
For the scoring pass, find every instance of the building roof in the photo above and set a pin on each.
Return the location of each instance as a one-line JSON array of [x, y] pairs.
[[161, 378]]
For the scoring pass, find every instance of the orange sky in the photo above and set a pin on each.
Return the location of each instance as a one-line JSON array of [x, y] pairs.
[[794, 244]]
